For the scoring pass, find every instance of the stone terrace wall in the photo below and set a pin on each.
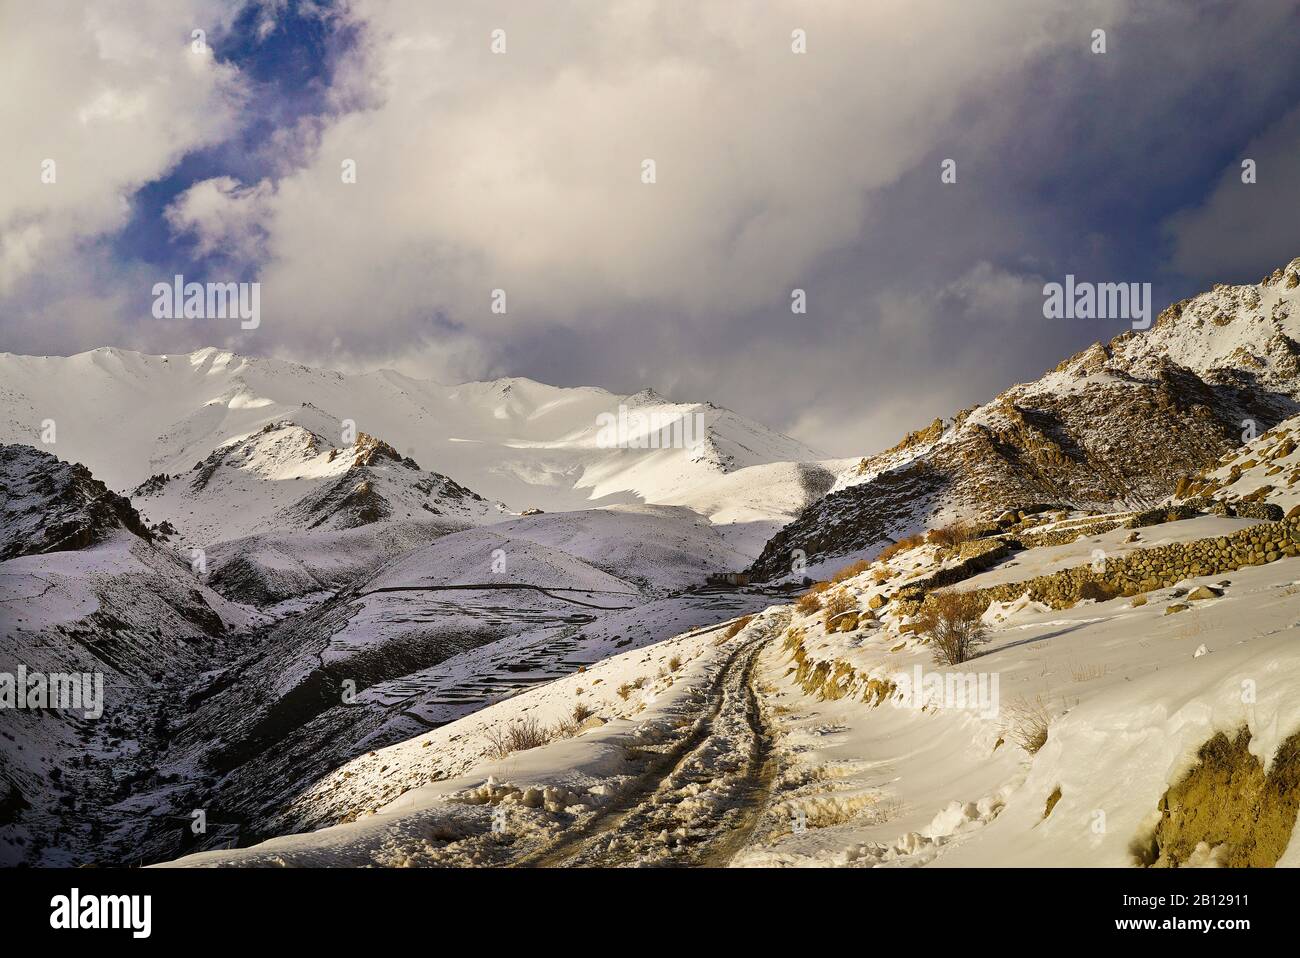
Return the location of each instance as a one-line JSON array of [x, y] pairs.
[[1147, 569]]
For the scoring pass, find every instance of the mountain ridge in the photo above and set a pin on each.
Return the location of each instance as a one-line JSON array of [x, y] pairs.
[[129, 416], [1113, 426]]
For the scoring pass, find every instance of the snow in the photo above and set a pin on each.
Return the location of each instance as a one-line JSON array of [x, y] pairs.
[[128, 416], [644, 696], [281, 479], [1131, 701], [1130, 695], [675, 733], [1264, 466]]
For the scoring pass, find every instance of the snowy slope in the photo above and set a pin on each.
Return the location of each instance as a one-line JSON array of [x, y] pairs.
[[1266, 469], [1112, 427], [472, 618], [1129, 693]]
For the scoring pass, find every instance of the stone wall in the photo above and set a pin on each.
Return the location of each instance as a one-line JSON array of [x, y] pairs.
[[979, 555], [1147, 569]]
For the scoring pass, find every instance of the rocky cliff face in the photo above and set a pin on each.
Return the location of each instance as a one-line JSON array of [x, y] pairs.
[[377, 478], [47, 505], [1113, 427]]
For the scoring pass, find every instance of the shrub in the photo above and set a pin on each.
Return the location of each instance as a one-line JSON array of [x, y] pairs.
[[953, 623], [674, 663], [950, 536], [849, 571], [1028, 722], [627, 688], [837, 604], [808, 603], [902, 545], [518, 736], [581, 713]]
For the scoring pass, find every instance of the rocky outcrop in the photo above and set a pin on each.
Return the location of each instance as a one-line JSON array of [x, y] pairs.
[[47, 505], [857, 517]]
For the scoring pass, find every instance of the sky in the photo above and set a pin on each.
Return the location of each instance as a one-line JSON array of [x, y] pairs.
[[500, 222]]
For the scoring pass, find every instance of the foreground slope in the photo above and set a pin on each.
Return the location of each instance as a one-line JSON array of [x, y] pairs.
[[1088, 731]]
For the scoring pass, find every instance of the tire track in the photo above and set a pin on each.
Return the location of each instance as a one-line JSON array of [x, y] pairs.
[[640, 827]]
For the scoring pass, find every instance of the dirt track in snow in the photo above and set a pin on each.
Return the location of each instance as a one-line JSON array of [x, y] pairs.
[[697, 804]]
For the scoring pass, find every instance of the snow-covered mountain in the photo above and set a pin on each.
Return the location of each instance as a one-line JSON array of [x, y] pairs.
[[1103, 721], [357, 601], [362, 629], [87, 589], [47, 505], [1112, 427], [288, 477], [129, 417]]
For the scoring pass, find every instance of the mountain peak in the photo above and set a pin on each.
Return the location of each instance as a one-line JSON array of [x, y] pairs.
[[1112, 427]]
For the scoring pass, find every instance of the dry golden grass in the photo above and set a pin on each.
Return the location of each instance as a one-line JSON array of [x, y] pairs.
[[1229, 803], [735, 628], [581, 713], [1027, 723], [1086, 673], [950, 536], [849, 571], [627, 688], [836, 604], [519, 736], [902, 545], [808, 603]]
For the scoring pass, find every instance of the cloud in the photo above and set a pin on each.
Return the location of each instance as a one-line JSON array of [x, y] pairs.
[[521, 172], [98, 103], [1241, 225], [223, 218]]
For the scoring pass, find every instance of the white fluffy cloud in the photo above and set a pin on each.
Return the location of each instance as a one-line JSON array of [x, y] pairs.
[[101, 98], [522, 171], [223, 218]]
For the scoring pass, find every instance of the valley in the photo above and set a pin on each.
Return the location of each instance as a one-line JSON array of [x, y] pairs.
[[368, 620]]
